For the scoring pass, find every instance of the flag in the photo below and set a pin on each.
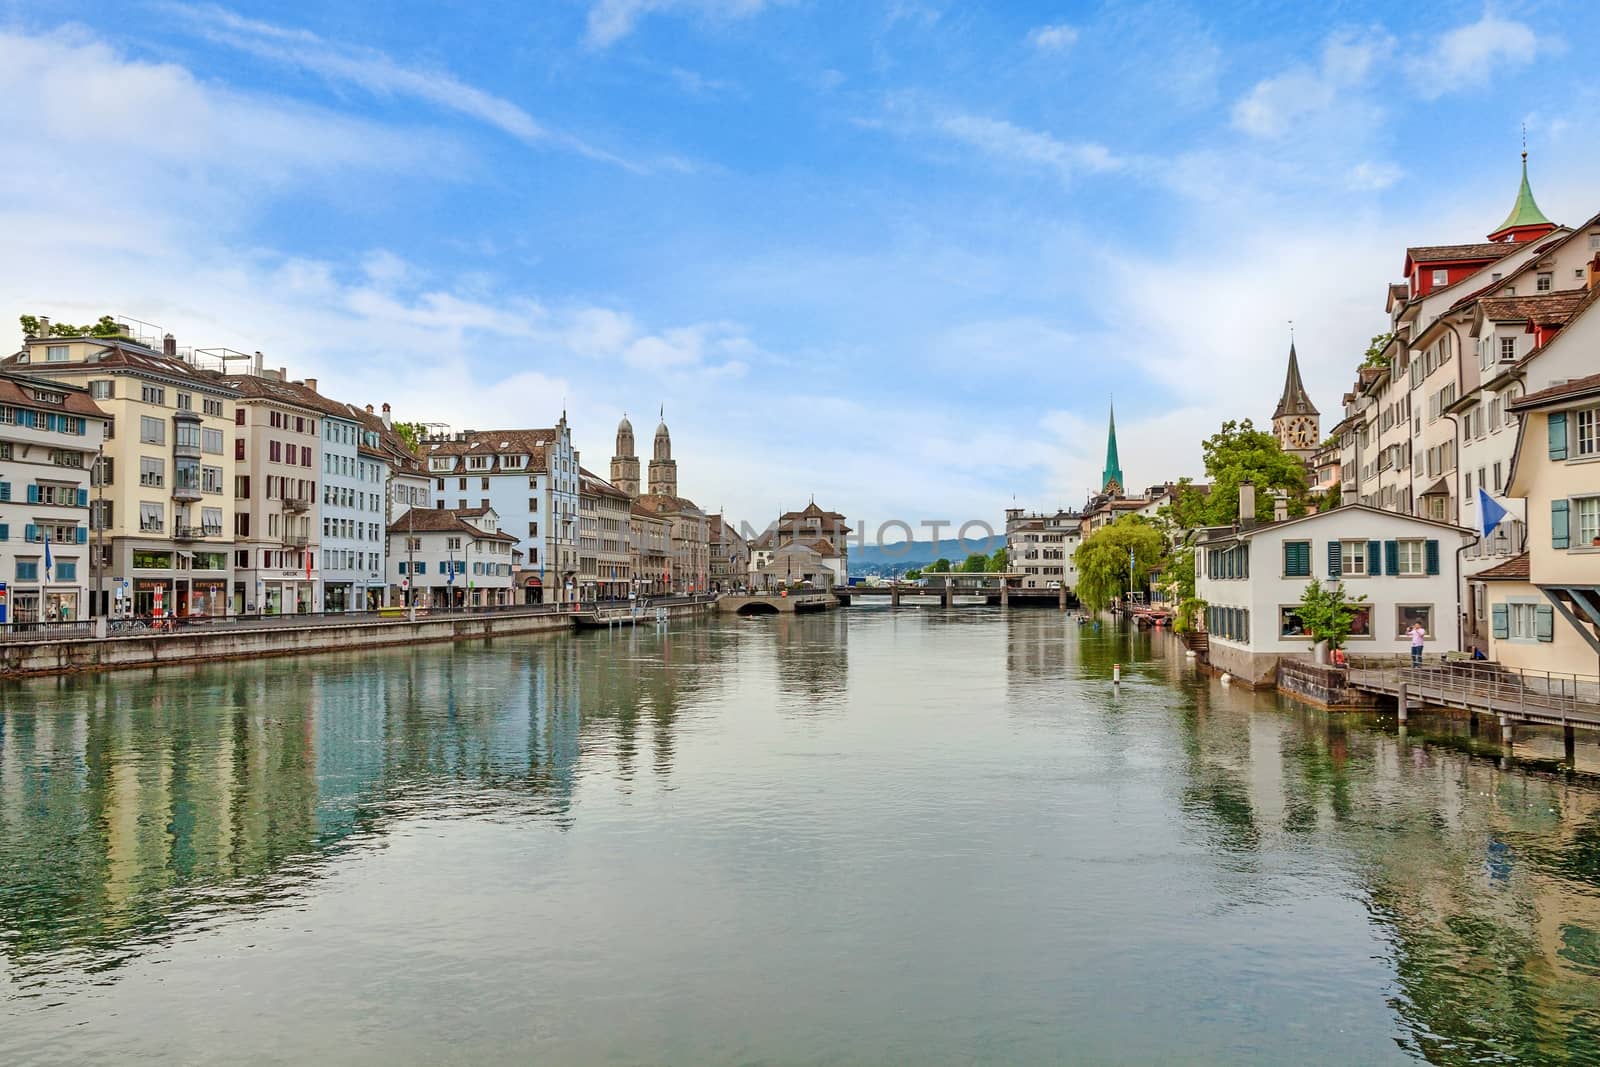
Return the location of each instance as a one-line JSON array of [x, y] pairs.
[[1492, 513], [49, 564], [450, 579]]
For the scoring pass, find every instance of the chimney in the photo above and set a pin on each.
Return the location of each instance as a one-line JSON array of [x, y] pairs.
[[369, 409], [1280, 506], [44, 323], [311, 384], [283, 374], [1247, 504], [259, 357], [386, 422], [169, 346]]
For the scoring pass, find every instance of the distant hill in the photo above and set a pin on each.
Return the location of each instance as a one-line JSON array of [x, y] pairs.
[[875, 559]]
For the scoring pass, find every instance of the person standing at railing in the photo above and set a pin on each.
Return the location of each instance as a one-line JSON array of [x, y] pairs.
[[1418, 636]]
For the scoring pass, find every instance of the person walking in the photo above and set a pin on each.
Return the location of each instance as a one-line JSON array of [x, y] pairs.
[[1418, 635]]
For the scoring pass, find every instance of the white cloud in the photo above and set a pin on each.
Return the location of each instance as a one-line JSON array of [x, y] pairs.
[[376, 73], [1057, 38], [1008, 142], [1286, 102], [1471, 55], [611, 20], [1373, 176]]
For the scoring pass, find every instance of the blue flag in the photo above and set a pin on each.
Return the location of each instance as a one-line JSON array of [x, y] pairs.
[[1492, 512], [49, 564]]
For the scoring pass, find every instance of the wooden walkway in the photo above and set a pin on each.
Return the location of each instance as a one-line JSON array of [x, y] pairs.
[[1512, 696]]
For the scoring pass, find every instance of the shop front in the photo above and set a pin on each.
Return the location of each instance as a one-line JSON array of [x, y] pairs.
[[61, 605], [532, 589], [152, 596], [337, 597], [286, 597]]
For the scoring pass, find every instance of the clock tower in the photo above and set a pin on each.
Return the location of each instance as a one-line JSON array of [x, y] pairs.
[[1296, 423]]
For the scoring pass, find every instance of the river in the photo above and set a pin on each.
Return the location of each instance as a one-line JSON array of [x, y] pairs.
[[871, 836]]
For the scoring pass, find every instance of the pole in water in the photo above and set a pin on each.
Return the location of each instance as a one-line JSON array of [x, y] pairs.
[[1116, 674]]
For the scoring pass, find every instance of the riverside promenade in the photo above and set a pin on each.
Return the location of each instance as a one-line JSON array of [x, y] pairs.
[[67, 650]]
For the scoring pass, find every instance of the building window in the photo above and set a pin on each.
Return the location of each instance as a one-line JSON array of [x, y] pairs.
[[211, 441], [1407, 614], [1441, 277], [1409, 558], [1289, 622], [1544, 282], [56, 353], [1587, 423], [185, 402], [152, 431], [1508, 350], [103, 390], [152, 517], [152, 394], [1588, 509], [1297, 559], [152, 472], [1352, 558]]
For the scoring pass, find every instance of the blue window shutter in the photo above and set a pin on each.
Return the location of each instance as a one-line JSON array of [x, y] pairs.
[[1373, 566], [1502, 621], [1559, 535], [5, 490], [83, 498], [1430, 556], [5, 532], [1391, 557], [30, 532], [1333, 559], [1558, 435], [33, 494], [1545, 622], [83, 535]]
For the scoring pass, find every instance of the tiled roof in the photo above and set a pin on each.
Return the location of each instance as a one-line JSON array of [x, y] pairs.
[[497, 443], [1546, 309], [1512, 570], [1572, 388], [446, 520], [1485, 250], [260, 387], [17, 390], [123, 354], [593, 483], [661, 504]]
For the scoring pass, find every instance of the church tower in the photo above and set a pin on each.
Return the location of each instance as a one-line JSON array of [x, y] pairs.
[[1296, 423], [1526, 222], [625, 464], [663, 468], [1111, 482]]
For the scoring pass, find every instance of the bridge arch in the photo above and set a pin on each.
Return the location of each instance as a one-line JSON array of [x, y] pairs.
[[756, 607]]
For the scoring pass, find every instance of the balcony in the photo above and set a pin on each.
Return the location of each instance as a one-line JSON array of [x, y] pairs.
[[296, 503], [295, 541], [186, 492], [195, 533]]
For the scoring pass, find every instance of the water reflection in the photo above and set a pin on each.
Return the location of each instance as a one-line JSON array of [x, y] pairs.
[[131, 805]]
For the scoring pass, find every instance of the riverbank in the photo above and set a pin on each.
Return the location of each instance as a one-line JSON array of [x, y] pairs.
[[292, 638]]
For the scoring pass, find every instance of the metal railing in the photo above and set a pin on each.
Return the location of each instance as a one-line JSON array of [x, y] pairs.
[[28, 632], [1489, 687]]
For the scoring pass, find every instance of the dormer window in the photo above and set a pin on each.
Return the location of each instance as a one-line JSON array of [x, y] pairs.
[[1441, 277], [1544, 282], [513, 463], [44, 396], [57, 353], [478, 463], [441, 463]]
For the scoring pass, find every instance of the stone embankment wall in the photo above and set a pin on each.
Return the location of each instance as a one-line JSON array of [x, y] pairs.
[[199, 645], [1322, 685]]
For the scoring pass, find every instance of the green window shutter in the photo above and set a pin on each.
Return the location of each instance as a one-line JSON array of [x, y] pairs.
[[1430, 553], [83, 498], [1373, 564], [1333, 559], [1545, 622], [1559, 534], [5, 531], [1558, 435], [1391, 557], [1502, 621], [33, 494]]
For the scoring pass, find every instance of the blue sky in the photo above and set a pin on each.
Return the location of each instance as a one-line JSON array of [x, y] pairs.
[[894, 254]]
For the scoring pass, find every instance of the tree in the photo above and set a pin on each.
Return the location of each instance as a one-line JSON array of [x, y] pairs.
[[1000, 561], [1333, 496], [938, 566], [1105, 570], [105, 327], [913, 574], [976, 563], [1327, 613], [1375, 356], [1236, 454], [412, 433]]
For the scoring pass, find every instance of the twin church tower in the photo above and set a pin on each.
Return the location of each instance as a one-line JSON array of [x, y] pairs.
[[625, 464]]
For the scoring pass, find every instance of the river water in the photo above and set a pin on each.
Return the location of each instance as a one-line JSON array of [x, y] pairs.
[[896, 837]]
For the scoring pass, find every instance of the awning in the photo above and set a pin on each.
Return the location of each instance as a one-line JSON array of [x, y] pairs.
[[1438, 488]]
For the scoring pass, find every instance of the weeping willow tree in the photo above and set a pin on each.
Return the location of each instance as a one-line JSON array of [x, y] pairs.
[[1117, 558]]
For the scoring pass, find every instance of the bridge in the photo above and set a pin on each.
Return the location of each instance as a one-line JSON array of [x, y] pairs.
[[942, 589], [1511, 696], [791, 603]]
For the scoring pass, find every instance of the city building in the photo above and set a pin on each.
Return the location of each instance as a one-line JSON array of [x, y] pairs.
[[825, 533], [650, 551], [730, 555], [160, 488], [1040, 547], [686, 567], [1296, 423], [1544, 604], [530, 478], [605, 559], [452, 557], [1252, 577], [277, 501], [51, 434]]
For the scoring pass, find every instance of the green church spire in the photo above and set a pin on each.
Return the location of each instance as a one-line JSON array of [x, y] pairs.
[[1525, 212], [1112, 481]]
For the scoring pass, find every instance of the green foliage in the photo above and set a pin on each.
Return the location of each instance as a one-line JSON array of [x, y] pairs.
[[1000, 561], [913, 574], [1103, 563], [976, 563], [412, 434], [1187, 619], [1327, 612], [1375, 356], [105, 327], [1236, 454], [938, 566], [1333, 496]]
